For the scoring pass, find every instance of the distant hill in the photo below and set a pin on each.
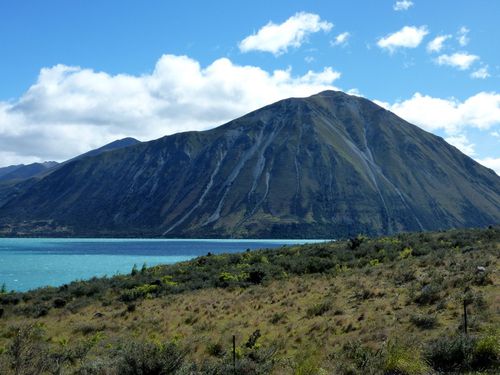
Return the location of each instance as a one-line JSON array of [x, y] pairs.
[[21, 172], [8, 169], [15, 179], [331, 165]]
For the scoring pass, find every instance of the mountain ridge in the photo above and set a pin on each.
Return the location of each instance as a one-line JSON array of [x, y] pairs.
[[330, 165]]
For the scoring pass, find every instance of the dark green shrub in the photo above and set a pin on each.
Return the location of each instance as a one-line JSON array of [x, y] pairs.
[[464, 353], [59, 303], [145, 358], [429, 294], [252, 340], [319, 309], [277, 317], [424, 321], [215, 349], [450, 353], [356, 359], [256, 276]]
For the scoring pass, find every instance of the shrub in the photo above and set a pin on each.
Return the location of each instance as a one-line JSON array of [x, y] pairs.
[[277, 317], [256, 276], [450, 353], [424, 321], [355, 358], [319, 309], [252, 340], [486, 352], [404, 361], [59, 303], [215, 349], [137, 292], [429, 294], [145, 358], [28, 352]]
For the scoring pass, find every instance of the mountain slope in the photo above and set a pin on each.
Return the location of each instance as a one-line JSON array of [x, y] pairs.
[[16, 179], [115, 145], [8, 169], [329, 165], [21, 172]]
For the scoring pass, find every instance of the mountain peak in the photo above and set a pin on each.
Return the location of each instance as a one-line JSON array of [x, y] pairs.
[[330, 165]]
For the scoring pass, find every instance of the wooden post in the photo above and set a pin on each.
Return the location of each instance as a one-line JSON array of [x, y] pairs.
[[465, 316], [234, 354]]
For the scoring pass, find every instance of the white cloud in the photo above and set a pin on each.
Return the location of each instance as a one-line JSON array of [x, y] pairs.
[[436, 44], [461, 142], [293, 32], [481, 73], [402, 5], [495, 134], [481, 111], [70, 110], [492, 163], [462, 36], [341, 39], [407, 37], [460, 60]]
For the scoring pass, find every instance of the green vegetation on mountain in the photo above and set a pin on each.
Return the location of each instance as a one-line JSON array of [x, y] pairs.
[[328, 166], [387, 305]]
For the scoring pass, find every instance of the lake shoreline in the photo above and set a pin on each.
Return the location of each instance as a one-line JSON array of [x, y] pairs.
[[30, 263]]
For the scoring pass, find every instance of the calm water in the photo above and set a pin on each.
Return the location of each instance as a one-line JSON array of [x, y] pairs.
[[27, 263]]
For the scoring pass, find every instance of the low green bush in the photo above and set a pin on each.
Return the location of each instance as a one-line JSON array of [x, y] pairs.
[[424, 321], [147, 358], [464, 353]]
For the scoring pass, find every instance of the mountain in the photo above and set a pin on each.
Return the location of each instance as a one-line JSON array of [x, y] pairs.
[[331, 165], [115, 145], [8, 169], [21, 172], [16, 179]]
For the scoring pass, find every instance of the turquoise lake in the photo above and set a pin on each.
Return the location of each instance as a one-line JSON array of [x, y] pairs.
[[28, 263]]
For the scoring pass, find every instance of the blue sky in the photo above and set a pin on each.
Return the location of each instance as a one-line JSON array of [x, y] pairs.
[[75, 75]]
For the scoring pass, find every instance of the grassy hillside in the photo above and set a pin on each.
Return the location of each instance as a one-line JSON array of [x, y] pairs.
[[389, 305]]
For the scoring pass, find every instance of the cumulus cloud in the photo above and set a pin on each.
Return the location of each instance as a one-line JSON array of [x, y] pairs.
[[437, 44], [481, 111], [407, 37], [492, 163], [459, 60], [70, 110], [402, 5], [462, 36], [461, 142], [277, 38], [341, 39], [481, 73]]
